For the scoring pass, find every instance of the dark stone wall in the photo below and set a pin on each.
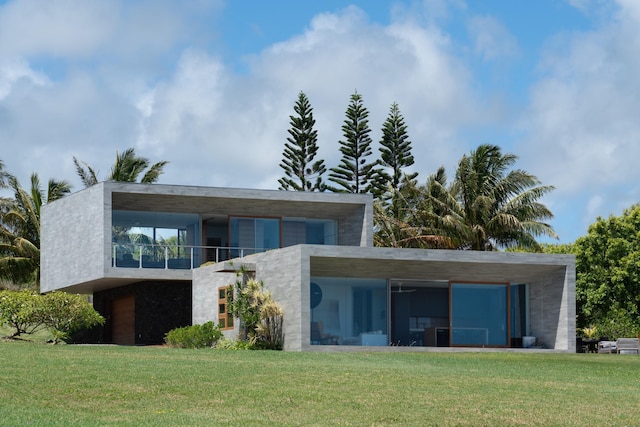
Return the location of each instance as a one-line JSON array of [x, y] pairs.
[[159, 307]]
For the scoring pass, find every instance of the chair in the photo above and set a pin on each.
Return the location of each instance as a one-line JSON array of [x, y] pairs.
[[606, 346], [318, 336]]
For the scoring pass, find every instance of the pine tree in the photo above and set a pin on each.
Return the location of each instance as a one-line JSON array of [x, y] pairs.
[[396, 150], [354, 174], [302, 173]]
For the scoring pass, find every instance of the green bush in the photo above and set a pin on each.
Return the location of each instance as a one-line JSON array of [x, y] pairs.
[[63, 314], [196, 336], [227, 344], [21, 311]]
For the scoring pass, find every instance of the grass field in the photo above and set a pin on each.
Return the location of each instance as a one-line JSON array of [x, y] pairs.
[[67, 385]]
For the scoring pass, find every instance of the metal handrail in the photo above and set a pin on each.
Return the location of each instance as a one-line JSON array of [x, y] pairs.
[[160, 255]]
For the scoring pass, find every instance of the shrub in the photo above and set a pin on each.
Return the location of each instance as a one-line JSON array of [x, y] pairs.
[[61, 313], [21, 310], [260, 317], [196, 336], [589, 332], [227, 344], [269, 332], [64, 314]]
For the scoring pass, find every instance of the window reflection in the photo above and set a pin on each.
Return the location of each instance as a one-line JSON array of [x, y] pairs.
[[479, 314], [350, 312]]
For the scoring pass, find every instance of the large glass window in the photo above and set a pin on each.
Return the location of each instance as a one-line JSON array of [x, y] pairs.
[[252, 235], [297, 231], [420, 313], [348, 311], [519, 312], [479, 314], [155, 239]]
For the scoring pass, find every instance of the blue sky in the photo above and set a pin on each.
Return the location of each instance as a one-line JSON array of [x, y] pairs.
[[209, 86]]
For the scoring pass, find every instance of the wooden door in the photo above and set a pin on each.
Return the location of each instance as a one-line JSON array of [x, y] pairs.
[[123, 321]]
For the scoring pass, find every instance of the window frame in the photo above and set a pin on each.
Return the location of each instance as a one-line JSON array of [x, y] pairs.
[[225, 296]]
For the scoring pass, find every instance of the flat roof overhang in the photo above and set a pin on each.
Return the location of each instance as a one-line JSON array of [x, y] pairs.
[[445, 265], [215, 202]]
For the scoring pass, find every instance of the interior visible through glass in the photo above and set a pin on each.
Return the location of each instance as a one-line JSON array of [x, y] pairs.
[[348, 311], [155, 239], [479, 314]]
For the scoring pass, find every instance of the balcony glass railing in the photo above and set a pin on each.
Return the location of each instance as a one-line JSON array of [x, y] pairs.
[[173, 257]]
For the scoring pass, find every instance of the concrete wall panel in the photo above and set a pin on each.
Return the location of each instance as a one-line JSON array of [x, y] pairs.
[[74, 245]]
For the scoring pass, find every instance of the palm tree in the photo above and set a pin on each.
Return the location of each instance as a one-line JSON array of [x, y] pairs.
[[126, 168], [20, 229], [489, 207], [412, 218], [486, 207]]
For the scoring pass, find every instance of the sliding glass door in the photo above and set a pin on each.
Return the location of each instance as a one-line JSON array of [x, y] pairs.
[[479, 314], [250, 235]]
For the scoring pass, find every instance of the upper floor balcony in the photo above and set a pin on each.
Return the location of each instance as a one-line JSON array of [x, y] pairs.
[[174, 257]]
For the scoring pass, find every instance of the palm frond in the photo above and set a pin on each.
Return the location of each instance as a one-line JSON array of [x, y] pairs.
[[87, 174]]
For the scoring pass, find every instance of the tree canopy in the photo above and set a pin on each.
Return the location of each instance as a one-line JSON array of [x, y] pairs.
[[608, 273]]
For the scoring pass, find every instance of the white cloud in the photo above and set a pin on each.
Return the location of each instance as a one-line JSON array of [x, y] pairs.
[[102, 57], [55, 27], [13, 71], [218, 128], [86, 29], [492, 39], [582, 123], [230, 130]]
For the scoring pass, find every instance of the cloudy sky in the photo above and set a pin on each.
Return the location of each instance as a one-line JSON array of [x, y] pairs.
[[209, 86]]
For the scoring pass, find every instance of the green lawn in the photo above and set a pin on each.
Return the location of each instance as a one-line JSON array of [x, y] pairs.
[[107, 385]]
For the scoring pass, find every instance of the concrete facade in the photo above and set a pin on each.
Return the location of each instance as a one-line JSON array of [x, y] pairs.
[[77, 256], [76, 230], [287, 274]]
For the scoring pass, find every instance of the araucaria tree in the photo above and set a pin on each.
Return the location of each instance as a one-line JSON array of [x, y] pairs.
[[395, 150], [355, 174], [302, 173], [391, 208]]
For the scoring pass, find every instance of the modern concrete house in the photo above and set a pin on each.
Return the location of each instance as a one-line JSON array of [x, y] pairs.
[[156, 257]]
